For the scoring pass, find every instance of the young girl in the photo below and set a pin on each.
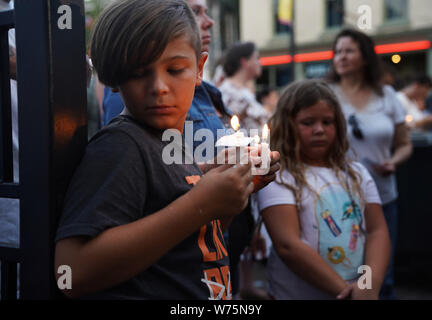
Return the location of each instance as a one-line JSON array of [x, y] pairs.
[[323, 211]]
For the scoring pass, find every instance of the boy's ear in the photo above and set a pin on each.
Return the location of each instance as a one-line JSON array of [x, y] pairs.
[[201, 62]]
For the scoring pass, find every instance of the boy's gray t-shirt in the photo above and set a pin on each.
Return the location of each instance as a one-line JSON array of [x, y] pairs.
[[121, 179]]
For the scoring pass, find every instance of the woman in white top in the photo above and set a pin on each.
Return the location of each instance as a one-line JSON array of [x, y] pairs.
[[242, 67], [376, 121]]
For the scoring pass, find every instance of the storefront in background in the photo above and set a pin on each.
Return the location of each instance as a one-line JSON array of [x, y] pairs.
[[404, 58]]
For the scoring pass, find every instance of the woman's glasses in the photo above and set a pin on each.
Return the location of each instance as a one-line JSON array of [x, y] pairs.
[[352, 120]]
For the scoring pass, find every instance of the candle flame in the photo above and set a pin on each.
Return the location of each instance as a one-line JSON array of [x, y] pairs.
[[265, 132], [235, 123], [409, 118]]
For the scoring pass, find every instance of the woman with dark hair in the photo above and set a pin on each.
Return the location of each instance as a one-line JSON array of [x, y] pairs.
[[242, 67], [376, 122]]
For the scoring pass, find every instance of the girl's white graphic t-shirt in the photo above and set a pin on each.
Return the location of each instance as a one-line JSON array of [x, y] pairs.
[[330, 223]]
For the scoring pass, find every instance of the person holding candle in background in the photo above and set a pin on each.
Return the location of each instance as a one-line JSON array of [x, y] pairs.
[[413, 97], [323, 211]]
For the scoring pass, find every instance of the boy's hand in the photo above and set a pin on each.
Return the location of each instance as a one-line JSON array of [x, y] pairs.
[[220, 160], [228, 156], [261, 181], [224, 191]]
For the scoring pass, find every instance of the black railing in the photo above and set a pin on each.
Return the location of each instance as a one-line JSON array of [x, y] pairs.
[[9, 256], [52, 134], [6, 165]]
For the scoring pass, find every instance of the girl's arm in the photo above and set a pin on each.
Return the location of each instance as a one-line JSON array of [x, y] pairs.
[[377, 249], [283, 225], [122, 252], [377, 254]]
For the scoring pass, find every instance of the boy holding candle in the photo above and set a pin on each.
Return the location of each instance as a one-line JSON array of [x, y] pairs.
[[133, 227]]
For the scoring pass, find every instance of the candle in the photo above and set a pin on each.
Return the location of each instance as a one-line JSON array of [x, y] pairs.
[[237, 140], [265, 134], [257, 139], [265, 150], [263, 145]]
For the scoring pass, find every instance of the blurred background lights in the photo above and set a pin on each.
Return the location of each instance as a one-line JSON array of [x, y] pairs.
[[409, 118], [396, 58]]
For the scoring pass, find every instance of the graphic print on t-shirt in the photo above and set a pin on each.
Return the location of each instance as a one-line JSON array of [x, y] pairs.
[[212, 246], [339, 221]]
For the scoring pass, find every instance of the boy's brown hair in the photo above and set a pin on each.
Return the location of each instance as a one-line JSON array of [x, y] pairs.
[[131, 34]]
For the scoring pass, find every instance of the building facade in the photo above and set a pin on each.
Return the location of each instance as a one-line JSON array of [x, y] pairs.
[[402, 30]]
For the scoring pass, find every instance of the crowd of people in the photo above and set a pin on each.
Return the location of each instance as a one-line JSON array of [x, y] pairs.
[[134, 227]]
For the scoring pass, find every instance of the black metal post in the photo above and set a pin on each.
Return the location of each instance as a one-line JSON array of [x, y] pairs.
[[9, 280], [6, 161], [8, 256], [52, 123]]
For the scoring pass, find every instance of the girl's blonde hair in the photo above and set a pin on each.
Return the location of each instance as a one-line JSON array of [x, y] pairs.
[[285, 139]]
